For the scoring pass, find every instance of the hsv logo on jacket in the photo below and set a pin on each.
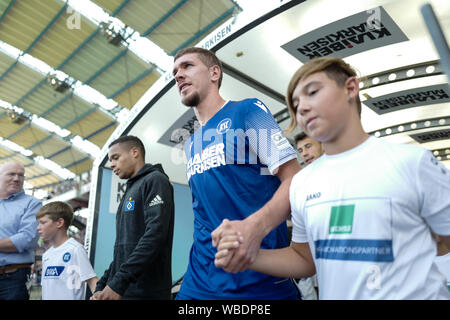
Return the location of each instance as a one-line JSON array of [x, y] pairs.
[[129, 205]]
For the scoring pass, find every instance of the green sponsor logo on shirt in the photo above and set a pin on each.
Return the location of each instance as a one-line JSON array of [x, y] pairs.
[[341, 220]]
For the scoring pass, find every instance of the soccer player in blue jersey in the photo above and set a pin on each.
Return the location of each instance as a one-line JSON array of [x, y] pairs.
[[239, 165]]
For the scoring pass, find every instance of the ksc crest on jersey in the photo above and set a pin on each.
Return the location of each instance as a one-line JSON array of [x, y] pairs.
[[66, 257], [223, 126]]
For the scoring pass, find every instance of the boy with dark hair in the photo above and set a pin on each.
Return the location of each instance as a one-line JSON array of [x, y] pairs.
[[369, 232], [65, 265]]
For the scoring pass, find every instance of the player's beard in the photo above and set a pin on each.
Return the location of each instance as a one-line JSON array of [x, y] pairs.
[[191, 100]]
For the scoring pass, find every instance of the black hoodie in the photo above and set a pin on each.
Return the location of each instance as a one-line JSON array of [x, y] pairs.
[[141, 266]]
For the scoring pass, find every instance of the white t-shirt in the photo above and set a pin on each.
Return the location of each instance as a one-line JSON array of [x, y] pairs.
[[366, 214], [443, 264], [64, 272]]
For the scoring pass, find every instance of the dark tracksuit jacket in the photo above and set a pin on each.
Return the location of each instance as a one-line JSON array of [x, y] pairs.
[[141, 266]]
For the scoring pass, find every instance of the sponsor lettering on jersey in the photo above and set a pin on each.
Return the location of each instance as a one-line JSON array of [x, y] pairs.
[[341, 219], [355, 249], [54, 271], [340, 247], [280, 141], [210, 157]]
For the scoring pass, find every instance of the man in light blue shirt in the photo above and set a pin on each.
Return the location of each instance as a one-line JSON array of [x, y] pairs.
[[18, 232]]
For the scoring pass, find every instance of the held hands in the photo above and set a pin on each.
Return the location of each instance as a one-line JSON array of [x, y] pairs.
[[226, 247], [236, 252]]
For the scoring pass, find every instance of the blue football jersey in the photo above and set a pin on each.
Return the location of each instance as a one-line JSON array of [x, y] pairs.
[[231, 162]]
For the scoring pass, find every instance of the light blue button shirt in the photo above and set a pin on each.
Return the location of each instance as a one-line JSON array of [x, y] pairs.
[[18, 222]]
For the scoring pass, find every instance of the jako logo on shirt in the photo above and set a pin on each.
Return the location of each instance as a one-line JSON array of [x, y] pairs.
[[223, 126], [313, 196], [54, 271], [341, 219], [66, 257]]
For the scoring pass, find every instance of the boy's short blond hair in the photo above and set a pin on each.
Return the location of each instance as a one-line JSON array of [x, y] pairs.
[[335, 68], [55, 210]]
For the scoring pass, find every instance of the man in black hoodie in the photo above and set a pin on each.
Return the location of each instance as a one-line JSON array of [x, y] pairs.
[[141, 266]]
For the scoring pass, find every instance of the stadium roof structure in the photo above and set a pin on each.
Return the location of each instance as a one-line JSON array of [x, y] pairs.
[[70, 72]]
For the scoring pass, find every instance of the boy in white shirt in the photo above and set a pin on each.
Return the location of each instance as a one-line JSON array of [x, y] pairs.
[[65, 265], [364, 209]]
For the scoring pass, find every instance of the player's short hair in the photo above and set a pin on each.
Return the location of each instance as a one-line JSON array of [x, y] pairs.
[[335, 68], [55, 210], [129, 142], [208, 58], [300, 137]]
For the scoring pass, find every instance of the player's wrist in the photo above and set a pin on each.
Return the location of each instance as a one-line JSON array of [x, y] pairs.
[[259, 223]]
